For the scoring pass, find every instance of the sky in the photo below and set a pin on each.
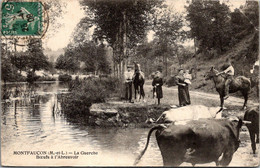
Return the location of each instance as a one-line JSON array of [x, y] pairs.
[[74, 13], [72, 16]]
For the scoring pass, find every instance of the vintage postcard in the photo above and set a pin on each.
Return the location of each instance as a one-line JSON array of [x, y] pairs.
[[129, 83]]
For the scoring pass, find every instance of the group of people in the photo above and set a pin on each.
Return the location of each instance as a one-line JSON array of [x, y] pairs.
[[183, 81]]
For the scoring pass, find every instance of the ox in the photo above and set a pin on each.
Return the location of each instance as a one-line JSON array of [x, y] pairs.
[[252, 114], [196, 142], [186, 113]]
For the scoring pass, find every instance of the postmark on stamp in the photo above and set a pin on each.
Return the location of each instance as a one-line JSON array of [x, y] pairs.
[[22, 21], [22, 18]]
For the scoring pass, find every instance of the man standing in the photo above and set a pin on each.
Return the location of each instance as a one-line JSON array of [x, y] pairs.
[[128, 83], [229, 72]]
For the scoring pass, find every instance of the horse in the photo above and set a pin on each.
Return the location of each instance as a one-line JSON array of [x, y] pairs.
[[138, 82], [239, 83]]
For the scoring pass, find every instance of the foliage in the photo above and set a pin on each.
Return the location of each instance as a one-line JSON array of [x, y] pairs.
[[56, 10], [184, 54], [210, 24], [19, 60], [150, 56], [168, 28], [35, 59], [9, 73], [216, 28], [84, 93], [31, 77], [46, 78], [108, 17], [122, 24], [86, 57], [171, 81], [67, 63], [146, 56], [251, 11], [65, 78], [6, 70]]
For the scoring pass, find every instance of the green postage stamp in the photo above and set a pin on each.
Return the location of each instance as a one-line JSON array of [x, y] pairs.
[[22, 19]]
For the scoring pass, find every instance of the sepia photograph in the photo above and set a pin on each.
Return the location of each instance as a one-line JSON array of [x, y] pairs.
[[129, 83]]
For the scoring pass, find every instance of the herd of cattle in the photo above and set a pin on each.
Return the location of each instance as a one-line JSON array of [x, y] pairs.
[[197, 135]]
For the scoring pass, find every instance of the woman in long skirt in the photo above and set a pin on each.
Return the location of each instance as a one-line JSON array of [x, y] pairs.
[[157, 85], [187, 80], [183, 98]]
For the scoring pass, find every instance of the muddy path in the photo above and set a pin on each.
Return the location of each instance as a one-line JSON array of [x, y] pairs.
[[170, 96]]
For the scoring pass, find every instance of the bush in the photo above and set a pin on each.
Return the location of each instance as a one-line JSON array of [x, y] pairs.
[[65, 78], [46, 78], [31, 77], [13, 76], [17, 78], [86, 92], [171, 81]]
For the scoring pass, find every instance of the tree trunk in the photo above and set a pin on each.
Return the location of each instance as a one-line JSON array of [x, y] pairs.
[[117, 70], [195, 46], [166, 65], [114, 66], [124, 45]]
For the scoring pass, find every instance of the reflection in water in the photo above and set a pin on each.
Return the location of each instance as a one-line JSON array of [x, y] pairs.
[[28, 123]]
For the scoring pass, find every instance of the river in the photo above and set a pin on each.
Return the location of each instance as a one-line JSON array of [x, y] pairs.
[[30, 125]]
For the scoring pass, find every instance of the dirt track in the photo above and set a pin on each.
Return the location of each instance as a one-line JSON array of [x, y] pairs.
[[171, 97]]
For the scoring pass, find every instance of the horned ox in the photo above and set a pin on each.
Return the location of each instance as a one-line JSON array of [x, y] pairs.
[[198, 141], [193, 112]]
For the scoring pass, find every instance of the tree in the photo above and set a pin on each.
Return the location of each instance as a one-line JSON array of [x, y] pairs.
[[19, 60], [168, 29], [251, 11], [6, 69], [67, 63], [210, 24], [145, 55], [93, 57], [55, 11], [122, 24], [35, 58]]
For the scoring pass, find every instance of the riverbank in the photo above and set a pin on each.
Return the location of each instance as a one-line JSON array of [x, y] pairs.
[[140, 114], [90, 103], [120, 114], [37, 82]]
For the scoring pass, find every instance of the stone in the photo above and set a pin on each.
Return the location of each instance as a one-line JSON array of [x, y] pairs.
[[100, 109], [98, 122], [111, 112]]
